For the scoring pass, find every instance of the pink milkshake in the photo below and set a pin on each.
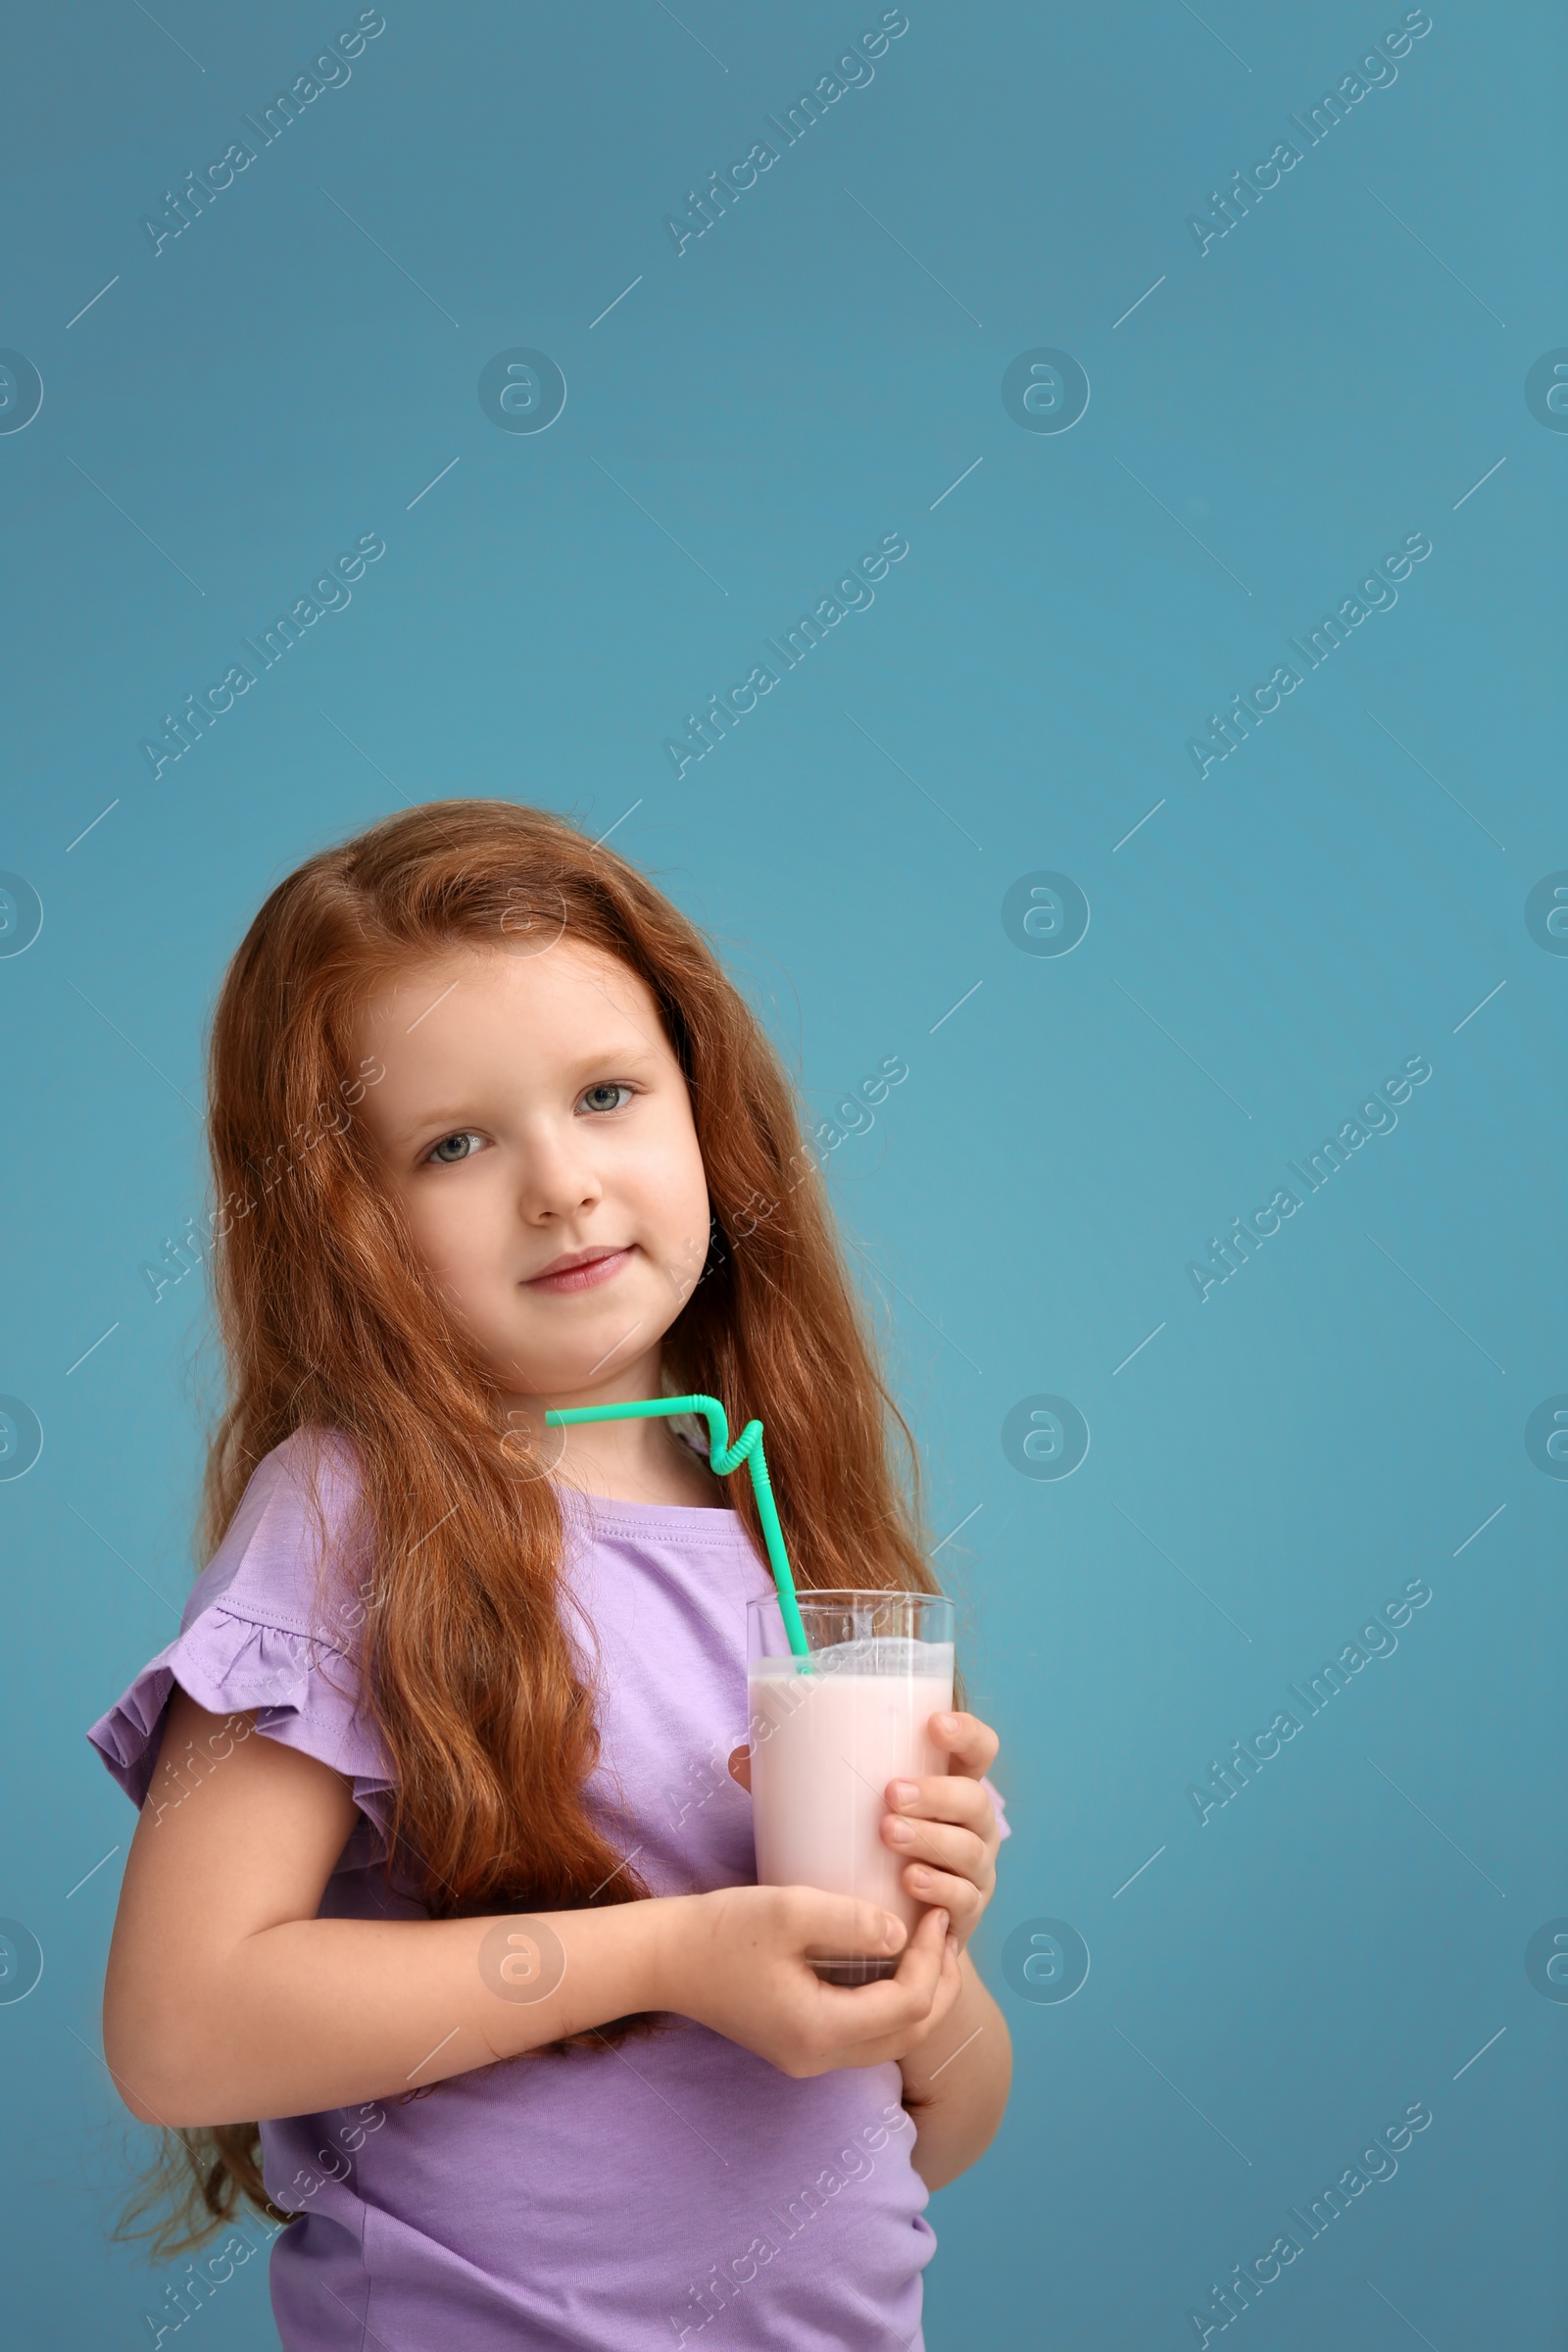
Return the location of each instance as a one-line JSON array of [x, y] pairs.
[[827, 1734]]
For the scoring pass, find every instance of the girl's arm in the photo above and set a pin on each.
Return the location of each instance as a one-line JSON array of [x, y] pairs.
[[956, 2083], [227, 1998]]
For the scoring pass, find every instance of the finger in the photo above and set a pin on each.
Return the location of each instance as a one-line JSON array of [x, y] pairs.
[[933, 2040], [845, 1924], [920, 1966], [868, 2019], [971, 1744], [937, 1797], [941, 1979], [947, 1797], [894, 2003], [964, 1898], [960, 1851], [895, 2044]]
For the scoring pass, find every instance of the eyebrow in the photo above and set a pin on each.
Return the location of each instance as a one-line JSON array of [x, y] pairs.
[[449, 1122]]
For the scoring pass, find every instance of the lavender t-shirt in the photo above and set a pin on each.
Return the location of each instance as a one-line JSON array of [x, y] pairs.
[[677, 2190]]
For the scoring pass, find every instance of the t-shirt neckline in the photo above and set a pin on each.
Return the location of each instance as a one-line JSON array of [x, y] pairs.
[[685, 1519]]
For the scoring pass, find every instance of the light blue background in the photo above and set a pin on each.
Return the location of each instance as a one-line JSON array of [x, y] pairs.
[[1276, 415]]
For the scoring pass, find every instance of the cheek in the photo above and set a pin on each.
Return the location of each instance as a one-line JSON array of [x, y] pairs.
[[667, 1188], [453, 1229]]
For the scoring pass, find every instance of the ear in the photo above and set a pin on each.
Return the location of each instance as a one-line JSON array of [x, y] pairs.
[[740, 1767]]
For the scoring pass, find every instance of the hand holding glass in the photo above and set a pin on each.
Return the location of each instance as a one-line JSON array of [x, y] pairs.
[[829, 1730]]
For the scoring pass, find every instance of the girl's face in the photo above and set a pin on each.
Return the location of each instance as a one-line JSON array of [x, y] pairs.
[[536, 1129]]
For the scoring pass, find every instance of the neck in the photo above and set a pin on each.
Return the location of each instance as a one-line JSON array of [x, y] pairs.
[[622, 1461]]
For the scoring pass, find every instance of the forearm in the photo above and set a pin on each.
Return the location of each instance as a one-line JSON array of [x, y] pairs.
[[956, 2083], [315, 2014]]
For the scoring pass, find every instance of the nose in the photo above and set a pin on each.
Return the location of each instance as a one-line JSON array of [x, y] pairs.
[[559, 1180]]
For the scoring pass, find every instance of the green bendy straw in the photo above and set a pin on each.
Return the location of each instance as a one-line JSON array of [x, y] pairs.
[[723, 1458]]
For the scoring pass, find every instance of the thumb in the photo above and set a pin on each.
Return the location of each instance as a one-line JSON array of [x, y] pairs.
[[840, 1924]]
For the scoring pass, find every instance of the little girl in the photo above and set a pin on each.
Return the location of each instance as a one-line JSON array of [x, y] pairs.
[[492, 1132]]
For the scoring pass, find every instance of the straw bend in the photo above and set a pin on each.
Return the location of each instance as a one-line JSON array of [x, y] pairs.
[[723, 1458]]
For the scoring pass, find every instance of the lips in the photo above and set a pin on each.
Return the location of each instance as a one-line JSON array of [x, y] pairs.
[[579, 1271]]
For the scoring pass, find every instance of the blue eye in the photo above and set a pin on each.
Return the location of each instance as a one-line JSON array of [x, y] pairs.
[[453, 1148], [595, 1098]]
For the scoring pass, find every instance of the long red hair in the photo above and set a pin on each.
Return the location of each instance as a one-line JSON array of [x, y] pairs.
[[329, 1324]]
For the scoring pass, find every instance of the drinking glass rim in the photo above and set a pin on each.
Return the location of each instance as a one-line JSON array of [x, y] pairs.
[[834, 1595]]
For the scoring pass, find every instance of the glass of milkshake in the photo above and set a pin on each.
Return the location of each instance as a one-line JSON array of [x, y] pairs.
[[829, 1730]]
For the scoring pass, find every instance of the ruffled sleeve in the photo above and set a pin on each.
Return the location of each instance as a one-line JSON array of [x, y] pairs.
[[272, 1627], [999, 1802]]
